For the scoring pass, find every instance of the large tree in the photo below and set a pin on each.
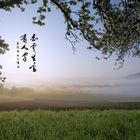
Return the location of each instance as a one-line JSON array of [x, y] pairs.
[[110, 26]]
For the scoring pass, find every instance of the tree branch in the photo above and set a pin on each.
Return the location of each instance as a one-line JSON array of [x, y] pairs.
[[9, 3], [56, 2]]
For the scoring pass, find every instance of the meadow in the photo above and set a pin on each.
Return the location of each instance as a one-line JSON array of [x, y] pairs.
[[67, 114], [70, 125]]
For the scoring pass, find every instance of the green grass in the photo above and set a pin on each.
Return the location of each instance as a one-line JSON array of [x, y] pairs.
[[70, 125]]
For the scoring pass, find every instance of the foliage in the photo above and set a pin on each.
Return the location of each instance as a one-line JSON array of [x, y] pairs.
[[3, 46], [3, 49], [69, 125], [110, 27]]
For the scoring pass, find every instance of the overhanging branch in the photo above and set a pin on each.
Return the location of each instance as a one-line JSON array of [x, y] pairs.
[[56, 2], [9, 3]]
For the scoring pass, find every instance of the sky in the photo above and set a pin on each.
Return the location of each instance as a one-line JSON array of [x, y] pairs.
[[56, 62]]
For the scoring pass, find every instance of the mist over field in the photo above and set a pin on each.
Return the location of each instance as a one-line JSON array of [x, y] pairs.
[[124, 89]]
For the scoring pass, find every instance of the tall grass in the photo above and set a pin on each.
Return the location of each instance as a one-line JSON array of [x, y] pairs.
[[70, 125]]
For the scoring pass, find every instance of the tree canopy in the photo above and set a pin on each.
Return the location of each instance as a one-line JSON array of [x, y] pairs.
[[112, 27]]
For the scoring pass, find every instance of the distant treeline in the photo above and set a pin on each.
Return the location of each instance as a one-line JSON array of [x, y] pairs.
[[15, 90]]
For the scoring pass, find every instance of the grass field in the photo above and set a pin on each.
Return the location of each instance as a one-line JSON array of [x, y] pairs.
[[70, 125]]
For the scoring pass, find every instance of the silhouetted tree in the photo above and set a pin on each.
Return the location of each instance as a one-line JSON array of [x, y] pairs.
[[112, 27]]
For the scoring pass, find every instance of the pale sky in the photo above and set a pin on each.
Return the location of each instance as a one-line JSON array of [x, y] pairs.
[[55, 59]]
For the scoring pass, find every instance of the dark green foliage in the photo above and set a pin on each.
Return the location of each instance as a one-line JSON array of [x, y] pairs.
[[3, 49], [70, 125], [3, 46]]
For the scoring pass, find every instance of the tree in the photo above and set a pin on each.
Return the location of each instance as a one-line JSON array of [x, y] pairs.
[[3, 46], [110, 27], [3, 49]]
